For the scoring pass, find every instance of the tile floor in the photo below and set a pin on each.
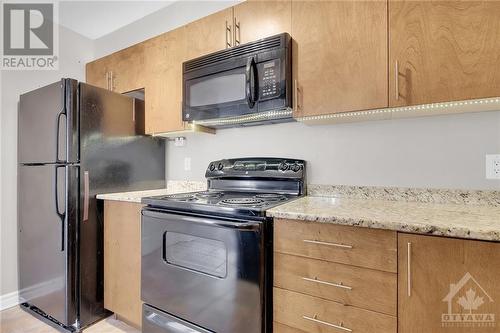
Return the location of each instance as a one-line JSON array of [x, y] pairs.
[[15, 320]]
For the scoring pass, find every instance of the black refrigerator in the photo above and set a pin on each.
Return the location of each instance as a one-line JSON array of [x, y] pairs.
[[75, 141]]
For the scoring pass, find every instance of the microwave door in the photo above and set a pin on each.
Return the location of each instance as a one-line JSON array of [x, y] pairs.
[[251, 83], [219, 95]]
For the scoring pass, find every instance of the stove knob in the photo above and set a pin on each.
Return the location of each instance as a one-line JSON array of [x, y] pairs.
[[295, 167], [220, 166], [211, 167], [283, 166]]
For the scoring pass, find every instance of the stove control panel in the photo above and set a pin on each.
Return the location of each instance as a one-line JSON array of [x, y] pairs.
[[256, 167]]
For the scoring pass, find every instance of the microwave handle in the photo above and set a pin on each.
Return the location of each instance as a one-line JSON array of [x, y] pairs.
[[251, 96]]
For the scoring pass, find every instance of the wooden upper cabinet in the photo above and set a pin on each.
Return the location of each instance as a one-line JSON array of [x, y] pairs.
[[444, 51], [254, 20], [97, 72], [209, 34], [121, 71], [339, 56], [127, 69], [441, 277], [163, 81]]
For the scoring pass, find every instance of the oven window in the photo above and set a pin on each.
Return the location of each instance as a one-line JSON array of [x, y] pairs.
[[200, 254], [217, 90]]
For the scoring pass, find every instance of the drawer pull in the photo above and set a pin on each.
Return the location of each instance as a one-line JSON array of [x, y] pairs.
[[328, 244], [337, 285], [339, 327]]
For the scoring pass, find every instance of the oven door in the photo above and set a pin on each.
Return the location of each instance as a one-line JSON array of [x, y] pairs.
[[204, 270]]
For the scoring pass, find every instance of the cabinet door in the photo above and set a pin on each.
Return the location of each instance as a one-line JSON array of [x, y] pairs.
[[339, 55], [97, 73], [163, 92], [259, 19], [122, 260], [127, 69], [209, 34], [443, 51], [442, 280]]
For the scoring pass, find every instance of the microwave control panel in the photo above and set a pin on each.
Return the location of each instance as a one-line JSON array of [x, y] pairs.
[[269, 83]]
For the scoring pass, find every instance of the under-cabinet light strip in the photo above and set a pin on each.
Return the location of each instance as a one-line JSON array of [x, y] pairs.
[[433, 107], [269, 115]]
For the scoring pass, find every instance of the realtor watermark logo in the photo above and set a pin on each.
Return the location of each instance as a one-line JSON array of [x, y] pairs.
[[29, 36], [466, 300]]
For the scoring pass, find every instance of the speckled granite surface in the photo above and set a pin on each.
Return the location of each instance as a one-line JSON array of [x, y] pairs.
[[463, 197], [453, 220], [172, 187]]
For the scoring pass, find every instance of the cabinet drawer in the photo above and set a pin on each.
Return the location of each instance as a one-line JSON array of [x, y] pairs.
[[350, 285], [363, 247], [280, 328], [315, 315]]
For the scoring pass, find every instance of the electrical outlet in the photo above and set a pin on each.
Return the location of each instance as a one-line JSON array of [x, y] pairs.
[[187, 163], [492, 166]]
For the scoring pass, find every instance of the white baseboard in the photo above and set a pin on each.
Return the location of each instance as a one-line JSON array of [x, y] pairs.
[[9, 300], [32, 292]]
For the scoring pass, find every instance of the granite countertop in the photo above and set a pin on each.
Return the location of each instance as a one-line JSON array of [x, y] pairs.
[[443, 219], [172, 187]]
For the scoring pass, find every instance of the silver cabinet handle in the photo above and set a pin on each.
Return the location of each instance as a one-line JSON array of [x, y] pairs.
[[85, 196], [228, 36], [296, 95], [396, 79], [112, 85], [408, 268], [339, 326], [327, 243], [337, 285], [237, 37], [107, 80]]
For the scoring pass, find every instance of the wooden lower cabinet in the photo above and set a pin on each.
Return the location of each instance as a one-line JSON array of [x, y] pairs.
[[448, 285], [122, 260], [317, 315]]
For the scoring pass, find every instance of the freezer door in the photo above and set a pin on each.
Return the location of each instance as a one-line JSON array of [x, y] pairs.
[[47, 212], [48, 128], [112, 150]]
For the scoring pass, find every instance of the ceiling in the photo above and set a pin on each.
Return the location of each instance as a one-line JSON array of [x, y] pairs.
[[94, 19]]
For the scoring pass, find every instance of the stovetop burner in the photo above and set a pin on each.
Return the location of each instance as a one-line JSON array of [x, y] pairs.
[[271, 196], [208, 194], [181, 197], [244, 201]]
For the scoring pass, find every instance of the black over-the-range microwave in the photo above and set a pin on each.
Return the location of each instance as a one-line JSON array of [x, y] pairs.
[[245, 85]]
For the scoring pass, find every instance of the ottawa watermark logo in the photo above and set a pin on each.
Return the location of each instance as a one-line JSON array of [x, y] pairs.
[[467, 305], [29, 36]]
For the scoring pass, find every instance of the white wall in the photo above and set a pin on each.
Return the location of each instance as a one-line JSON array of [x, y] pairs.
[[168, 18], [74, 51], [437, 152]]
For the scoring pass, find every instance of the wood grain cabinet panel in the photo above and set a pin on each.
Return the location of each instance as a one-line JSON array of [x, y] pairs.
[[97, 72], [259, 19], [349, 285], [316, 315], [363, 247], [209, 34], [163, 81], [122, 71], [443, 51], [339, 55], [439, 277], [122, 260]]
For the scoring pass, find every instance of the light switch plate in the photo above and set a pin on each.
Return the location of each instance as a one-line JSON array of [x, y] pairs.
[[492, 166]]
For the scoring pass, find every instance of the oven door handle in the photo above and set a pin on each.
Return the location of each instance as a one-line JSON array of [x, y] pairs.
[[243, 225], [251, 94]]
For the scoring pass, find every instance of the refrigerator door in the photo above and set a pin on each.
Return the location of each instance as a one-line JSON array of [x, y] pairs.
[[113, 158], [48, 200], [48, 124]]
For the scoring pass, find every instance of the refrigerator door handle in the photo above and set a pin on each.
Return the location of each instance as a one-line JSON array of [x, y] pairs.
[[85, 196], [59, 115], [62, 215]]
